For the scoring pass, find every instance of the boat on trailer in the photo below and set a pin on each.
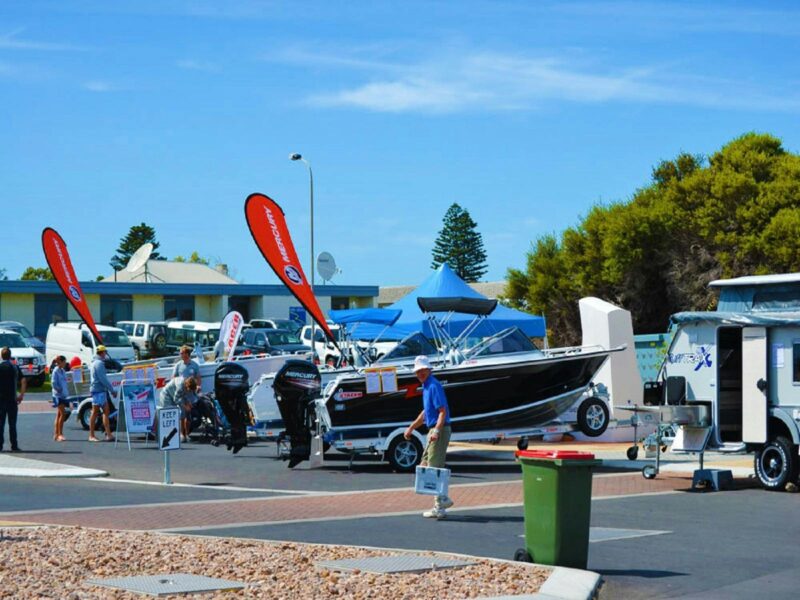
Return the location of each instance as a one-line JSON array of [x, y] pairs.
[[502, 387]]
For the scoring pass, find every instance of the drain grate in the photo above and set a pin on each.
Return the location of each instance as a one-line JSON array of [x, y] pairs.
[[404, 563], [171, 583]]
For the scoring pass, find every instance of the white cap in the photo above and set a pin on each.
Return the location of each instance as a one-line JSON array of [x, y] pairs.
[[421, 362]]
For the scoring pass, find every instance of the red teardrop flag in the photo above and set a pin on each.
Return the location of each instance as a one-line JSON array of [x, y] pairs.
[[268, 227], [55, 252]]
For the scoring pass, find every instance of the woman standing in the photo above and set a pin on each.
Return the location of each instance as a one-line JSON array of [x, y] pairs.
[[58, 381]]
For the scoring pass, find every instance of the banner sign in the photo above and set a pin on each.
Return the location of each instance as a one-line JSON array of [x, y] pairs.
[[55, 252], [140, 406], [270, 233], [230, 330], [297, 314]]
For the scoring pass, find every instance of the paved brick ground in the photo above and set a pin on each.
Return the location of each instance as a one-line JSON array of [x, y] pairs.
[[194, 515]]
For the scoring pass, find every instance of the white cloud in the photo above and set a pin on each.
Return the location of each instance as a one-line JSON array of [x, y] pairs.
[[462, 81], [12, 41], [197, 65], [102, 87]]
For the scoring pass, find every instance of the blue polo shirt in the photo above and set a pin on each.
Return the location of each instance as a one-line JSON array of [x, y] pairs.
[[433, 399]]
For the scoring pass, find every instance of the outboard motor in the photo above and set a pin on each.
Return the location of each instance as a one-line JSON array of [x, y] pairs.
[[296, 386], [231, 384]]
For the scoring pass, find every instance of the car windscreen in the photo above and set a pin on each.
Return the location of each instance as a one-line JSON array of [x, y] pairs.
[[281, 338], [22, 330], [12, 340], [286, 324], [178, 336], [115, 339]]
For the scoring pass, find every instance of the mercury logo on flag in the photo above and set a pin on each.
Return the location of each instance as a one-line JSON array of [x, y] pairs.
[[293, 274], [73, 291]]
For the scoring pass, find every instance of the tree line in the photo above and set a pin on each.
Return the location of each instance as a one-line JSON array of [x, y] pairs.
[[734, 213]]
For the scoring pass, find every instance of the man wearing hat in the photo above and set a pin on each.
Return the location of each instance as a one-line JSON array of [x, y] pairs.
[[100, 388], [436, 416]]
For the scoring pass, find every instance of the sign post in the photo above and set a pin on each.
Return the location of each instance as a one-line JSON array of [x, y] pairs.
[[169, 437]]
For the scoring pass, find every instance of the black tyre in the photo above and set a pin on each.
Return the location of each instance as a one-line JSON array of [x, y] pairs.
[[404, 455], [632, 453], [593, 417], [522, 443], [160, 342], [776, 464], [649, 472], [84, 413], [522, 555]]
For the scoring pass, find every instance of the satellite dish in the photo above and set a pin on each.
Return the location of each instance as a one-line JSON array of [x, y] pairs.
[[326, 266], [139, 258]]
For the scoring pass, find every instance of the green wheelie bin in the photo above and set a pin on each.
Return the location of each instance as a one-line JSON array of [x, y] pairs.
[[557, 494]]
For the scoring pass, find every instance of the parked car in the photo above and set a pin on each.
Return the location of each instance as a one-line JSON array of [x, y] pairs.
[[18, 327], [148, 338], [30, 361], [323, 347], [191, 332], [287, 324], [271, 341], [73, 339]]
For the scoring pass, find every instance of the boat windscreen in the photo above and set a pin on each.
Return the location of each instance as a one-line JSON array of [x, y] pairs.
[[506, 342], [470, 306], [412, 346]]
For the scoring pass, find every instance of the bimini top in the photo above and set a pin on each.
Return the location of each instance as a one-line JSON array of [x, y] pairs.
[[376, 316], [766, 319], [469, 306], [757, 280]]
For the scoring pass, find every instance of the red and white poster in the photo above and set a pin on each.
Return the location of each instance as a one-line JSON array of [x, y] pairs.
[[268, 228], [55, 252], [230, 330]]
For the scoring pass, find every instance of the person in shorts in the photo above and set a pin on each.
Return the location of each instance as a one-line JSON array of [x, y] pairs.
[[58, 381], [180, 393], [436, 416], [101, 389]]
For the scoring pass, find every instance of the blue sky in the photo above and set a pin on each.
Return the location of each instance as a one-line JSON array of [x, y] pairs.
[[526, 113]]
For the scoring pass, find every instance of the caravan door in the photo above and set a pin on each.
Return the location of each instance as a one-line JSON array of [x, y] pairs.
[[754, 385]]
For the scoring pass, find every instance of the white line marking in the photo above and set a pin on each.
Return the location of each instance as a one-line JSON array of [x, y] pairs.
[[228, 488]]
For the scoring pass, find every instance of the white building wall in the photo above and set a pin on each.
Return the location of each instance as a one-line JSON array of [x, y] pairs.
[[210, 308], [148, 308], [17, 307], [93, 301]]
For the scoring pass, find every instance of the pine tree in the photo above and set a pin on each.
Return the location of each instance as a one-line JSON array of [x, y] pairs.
[[136, 237], [460, 245]]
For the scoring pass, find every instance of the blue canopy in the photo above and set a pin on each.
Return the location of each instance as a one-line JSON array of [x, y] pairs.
[[444, 283], [377, 316]]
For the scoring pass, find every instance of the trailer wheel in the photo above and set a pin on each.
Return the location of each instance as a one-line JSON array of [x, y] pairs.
[[522, 443], [776, 464], [83, 416], [404, 455], [649, 472], [632, 452], [593, 417]]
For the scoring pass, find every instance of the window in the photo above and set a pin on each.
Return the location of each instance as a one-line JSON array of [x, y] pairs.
[[115, 308], [240, 304], [126, 327], [180, 308], [340, 302], [261, 340], [796, 362], [48, 308], [139, 330]]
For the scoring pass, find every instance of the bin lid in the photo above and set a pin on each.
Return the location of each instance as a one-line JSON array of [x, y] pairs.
[[555, 454]]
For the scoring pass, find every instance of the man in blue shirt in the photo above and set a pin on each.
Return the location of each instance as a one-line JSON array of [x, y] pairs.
[[100, 388], [436, 416]]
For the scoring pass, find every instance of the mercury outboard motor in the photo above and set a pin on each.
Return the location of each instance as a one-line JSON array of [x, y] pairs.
[[296, 386], [231, 384]]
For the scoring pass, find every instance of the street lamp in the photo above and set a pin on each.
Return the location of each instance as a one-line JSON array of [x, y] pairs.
[[295, 156]]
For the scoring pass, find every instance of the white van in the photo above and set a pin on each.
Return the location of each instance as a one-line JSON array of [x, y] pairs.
[[30, 361], [75, 339], [189, 333]]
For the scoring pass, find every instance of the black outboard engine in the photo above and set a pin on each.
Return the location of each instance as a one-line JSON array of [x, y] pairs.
[[296, 386], [231, 384]]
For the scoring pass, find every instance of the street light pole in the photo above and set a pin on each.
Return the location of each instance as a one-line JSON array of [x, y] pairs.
[[295, 156]]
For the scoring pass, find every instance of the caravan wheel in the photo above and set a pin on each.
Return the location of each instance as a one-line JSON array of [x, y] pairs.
[[776, 464], [593, 417], [404, 455]]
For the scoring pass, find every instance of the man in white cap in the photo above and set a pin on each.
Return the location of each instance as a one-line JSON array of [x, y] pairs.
[[436, 416]]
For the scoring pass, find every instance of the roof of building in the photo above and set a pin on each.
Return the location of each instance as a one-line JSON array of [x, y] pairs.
[[390, 294], [168, 271]]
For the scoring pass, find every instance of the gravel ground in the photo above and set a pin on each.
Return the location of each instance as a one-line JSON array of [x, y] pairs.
[[55, 562]]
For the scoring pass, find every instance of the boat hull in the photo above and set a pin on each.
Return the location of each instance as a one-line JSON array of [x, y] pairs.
[[505, 395]]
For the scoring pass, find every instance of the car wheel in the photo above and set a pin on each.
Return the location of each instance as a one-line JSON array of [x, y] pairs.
[[593, 417], [776, 463], [404, 455], [160, 342]]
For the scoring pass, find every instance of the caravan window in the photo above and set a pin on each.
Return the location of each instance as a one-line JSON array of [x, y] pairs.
[[796, 362]]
